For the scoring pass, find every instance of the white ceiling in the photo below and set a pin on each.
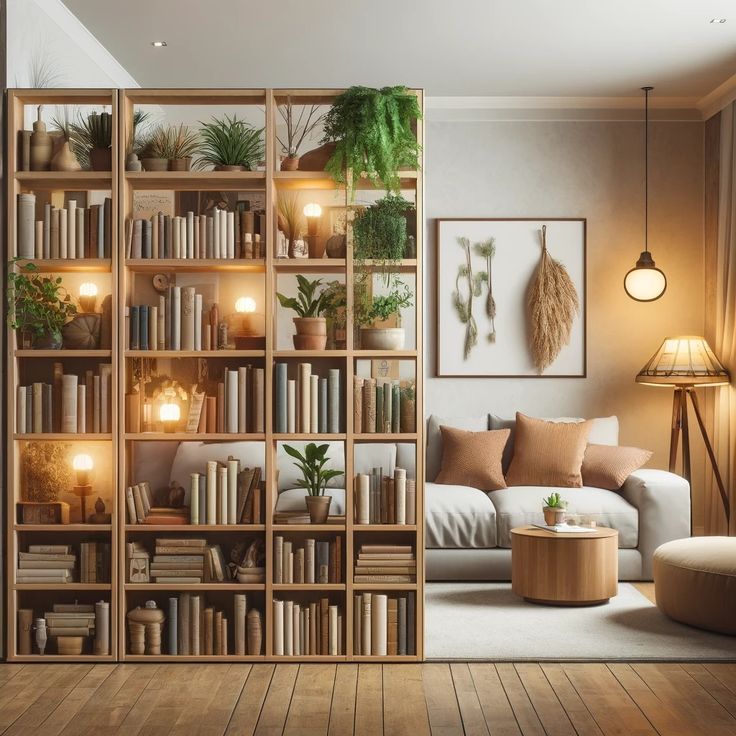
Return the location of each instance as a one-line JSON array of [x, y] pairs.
[[577, 48]]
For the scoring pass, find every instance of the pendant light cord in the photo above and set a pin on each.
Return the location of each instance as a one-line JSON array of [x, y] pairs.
[[647, 90]]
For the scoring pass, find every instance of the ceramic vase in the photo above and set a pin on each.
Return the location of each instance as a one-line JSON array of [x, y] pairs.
[[41, 635], [65, 160], [382, 338], [155, 164], [41, 146], [132, 163]]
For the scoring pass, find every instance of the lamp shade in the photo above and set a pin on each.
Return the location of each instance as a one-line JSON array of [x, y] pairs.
[[684, 361]]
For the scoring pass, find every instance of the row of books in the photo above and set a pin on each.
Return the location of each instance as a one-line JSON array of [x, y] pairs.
[[46, 563], [67, 620], [381, 499], [194, 628], [304, 629], [310, 403], [318, 561], [385, 563], [221, 235], [383, 625], [237, 408], [67, 232], [376, 405], [70, 404]]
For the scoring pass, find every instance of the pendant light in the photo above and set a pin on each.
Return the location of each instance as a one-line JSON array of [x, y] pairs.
[[645, 282]]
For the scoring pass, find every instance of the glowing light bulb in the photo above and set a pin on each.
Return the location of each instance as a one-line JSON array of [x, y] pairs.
[[88, 296], [312, 210], [82, 465], [245, 304], [88, 289], [169, 414]]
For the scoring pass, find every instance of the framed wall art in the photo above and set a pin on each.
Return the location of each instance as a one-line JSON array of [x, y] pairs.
[[511, 298]]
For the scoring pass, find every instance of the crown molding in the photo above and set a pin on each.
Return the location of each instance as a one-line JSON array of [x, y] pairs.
[[724, 94]]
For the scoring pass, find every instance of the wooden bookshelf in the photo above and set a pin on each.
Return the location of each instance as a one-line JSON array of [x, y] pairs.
[[129, 278]]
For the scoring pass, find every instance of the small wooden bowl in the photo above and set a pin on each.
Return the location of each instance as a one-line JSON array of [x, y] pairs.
[[70, 645]]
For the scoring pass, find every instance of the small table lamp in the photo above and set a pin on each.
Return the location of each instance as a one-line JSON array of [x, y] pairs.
[[686, 363], [83, 465]]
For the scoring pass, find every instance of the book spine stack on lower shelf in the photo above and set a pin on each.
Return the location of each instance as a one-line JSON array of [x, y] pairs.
[[380, 499], [318, 561], [222, 235], [46, 563], [94, 562], [70, 405], [307, 629], [308, 404], [64, 233], [226, 494], [383, 625], [376, 406], [385, 563], [179, 561]]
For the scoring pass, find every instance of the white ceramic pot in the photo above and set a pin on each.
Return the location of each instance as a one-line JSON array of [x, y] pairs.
[[382, 338]]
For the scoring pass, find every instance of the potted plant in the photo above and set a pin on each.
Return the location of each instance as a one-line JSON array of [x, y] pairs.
[[311, 326], [230, 144], [380, 230], [290, 218], [155, 148], [554, 509], [38, 306], [374, 135], [372, 310], [183, 143], [297, 129], [314, 478], [136, 139], [336, 315], [91, 140]]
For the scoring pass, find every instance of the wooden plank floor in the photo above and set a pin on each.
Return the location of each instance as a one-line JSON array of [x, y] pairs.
[[313, 700]]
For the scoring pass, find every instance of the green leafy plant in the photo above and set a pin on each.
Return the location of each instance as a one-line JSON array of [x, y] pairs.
[[379, 308], [308, 303], [379, 230], [312, 465], [37, 304], [554, 501], [230, 142], [93, 131], [373, 130]]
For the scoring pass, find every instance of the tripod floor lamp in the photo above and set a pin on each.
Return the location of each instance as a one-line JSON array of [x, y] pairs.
[[687, 363]]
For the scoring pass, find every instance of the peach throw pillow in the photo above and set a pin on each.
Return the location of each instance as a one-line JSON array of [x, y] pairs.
[[608, 466], [547, 453], [472, 458]]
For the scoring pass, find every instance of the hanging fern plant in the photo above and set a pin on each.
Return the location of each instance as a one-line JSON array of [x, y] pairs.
[[374, 136]]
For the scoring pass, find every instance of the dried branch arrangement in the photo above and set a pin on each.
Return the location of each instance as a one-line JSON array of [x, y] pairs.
[[468, 286], [487, 250]]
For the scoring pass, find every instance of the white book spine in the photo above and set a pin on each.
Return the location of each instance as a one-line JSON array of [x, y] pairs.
[[288, 628], [242, 399], [190, 234], [183, 237], [187, 318], [63, 234], [80, 232], [231, 235], [216, 234], [314, 404], [232, 490], [305, 370], [152, 327], [176, 243], [232, 401], [197, 322], [333, 631], [176, 318], [26, 247], [291, 406], [362, 491], [20, 410], [38, 241], [278, 628], [194, 498], [69, 404], [154, 236], [211, 492], [71, 234], [400, 494], [161, 343], [222, 495], [223, 233], [47, 230], [379, 624], [81, 409]]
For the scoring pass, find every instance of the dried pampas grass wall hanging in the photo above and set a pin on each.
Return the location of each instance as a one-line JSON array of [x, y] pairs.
[[553, 306]]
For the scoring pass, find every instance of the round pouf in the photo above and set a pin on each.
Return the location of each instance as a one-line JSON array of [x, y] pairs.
[[695, 582]]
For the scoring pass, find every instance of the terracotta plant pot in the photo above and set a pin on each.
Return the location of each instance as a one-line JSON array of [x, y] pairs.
[[381, 338], [311, 333], [180, 164], [553, 515], [319, 508], [155, 164], [290, 163], [100, 159]]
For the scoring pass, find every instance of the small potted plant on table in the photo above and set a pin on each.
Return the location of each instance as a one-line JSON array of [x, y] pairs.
[[314, 478], [554, 509], [311, 326]]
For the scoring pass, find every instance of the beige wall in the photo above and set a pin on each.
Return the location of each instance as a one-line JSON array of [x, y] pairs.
[[591, 169]]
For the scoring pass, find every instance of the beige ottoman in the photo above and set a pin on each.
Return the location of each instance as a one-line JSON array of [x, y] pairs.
[[695, 582]]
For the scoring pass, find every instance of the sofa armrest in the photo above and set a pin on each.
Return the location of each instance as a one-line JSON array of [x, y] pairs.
[[663, 501]]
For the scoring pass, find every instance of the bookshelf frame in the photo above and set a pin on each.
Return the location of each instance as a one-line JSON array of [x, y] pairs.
[[123, 272]]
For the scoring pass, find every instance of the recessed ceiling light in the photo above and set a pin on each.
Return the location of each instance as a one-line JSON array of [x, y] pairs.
[[159, 44], [717, 20]]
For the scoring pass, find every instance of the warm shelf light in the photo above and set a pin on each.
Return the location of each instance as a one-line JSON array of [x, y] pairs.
[[312, 210], [169, 414], [245, 305], [82, 465], [88, 296]]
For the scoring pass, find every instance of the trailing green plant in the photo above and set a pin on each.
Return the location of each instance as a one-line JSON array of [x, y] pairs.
[[487, 250], [230, 142], [297, 126], [554, 501], [308, 302], [370, 309], [93, 131], [312, 463], [379, 231], [36, 303], [373, 132]]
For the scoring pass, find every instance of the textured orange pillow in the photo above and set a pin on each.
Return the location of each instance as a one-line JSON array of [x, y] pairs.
[[472, 458], [608, 466], [547, 453]]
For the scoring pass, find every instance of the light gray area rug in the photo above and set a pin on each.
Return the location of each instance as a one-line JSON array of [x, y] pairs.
[[487, 621]]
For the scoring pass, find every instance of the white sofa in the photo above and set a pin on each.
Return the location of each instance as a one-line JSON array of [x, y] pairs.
[[468, 531]]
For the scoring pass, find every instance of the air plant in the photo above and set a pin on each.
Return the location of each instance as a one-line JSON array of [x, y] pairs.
[[473, 283], [297, 127], [181, 142], [487, 250], [94, 131]]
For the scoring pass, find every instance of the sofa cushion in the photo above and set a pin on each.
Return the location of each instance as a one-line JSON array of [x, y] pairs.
[[293, 500], [472, 458], [434, 438], [522, 505], [458, 517], [609, 467], [603, 431]]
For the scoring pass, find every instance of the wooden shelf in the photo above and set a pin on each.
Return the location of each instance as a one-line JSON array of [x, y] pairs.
[[310, 265], [301, 436], [384, 586], [70, 265], [322, 180], [176, 528], [62, 436], [388, 354], [385, 437], [196, 180], [91, 528], [62, 586], [192, 436], [308, 586], [184, 587], [195, 354], [379, 528], [156, 265], [200, 658], [68, 180], [310, 354], [60, 354], [48, 658], [308, 527]]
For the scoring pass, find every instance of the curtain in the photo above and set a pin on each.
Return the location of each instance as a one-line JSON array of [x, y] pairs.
[[724, 406]]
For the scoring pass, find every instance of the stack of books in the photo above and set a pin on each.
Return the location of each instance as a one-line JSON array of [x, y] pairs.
[[381, 499], [309, 403], [94, 562], [226, 494], [221, 235], [69, 404], [179, 561], [68, 233], [383, 625], [385, 563], [46, 563], [318, 561], [65, 622], [376, 405], [304, 629]]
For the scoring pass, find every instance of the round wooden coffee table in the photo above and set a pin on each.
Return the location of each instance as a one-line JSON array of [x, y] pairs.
[[573, 569]]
